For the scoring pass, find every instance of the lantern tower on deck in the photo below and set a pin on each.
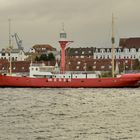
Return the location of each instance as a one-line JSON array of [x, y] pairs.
[[63, 43]]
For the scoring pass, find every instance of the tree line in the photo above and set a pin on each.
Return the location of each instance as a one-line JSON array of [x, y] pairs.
[[45, 57]]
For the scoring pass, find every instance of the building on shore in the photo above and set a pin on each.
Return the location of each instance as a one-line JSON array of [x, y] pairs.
[[21, 60], [91, 59], [41, 49], [90, 64], [13, 54], [132, 42], [120, 53], [127, 57], [20, 67]]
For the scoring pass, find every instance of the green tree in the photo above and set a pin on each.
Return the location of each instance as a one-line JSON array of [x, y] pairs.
[[136, 65], [36, 58], [45, 57], [51, 56]]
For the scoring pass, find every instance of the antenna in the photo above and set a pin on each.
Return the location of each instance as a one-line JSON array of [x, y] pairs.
[[63, 25]]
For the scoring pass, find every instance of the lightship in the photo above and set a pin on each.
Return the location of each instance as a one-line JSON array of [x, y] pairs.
[[42, 76]]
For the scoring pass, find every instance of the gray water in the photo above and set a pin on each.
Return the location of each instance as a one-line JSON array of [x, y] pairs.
[[69, 114]]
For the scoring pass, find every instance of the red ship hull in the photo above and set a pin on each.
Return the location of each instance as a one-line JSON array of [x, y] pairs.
[[126, 80]]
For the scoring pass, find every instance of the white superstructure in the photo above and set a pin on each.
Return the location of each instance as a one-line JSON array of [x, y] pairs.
[[40, 70]]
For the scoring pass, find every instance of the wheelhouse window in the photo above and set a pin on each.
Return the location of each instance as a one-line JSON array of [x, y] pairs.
[[3, 54]]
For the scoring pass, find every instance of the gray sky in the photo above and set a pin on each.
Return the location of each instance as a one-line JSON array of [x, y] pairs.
[[87, 22]]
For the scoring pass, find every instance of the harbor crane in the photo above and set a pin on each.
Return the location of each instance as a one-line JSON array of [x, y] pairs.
[[18, 41]]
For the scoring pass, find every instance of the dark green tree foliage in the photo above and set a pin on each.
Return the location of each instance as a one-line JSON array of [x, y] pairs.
[[36, 58], [51, 56], [136, 65], [45, 57]]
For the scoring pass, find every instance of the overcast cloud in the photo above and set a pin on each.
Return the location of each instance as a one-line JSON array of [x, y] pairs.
[[87, 22]]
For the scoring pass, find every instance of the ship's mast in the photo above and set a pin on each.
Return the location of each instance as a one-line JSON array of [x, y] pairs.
[[10, 47], [113, 46], [9, 20]]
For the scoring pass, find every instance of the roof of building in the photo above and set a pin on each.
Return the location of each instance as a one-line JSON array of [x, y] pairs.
[[47, 46], [130, 42], [80, 51], [14, 50]]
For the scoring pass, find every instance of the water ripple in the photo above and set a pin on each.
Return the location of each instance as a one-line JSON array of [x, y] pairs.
[[64, 114]]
